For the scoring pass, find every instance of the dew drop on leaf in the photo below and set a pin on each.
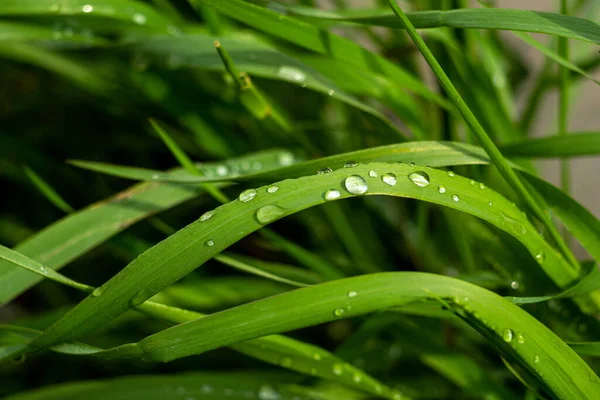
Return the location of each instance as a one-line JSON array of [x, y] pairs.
[[272, 189], [350, 164], [210, 243], [269, 213], [338, 312], [520, 338], [352, 293], [98, 292], [389, 178], [514, 285], [419, 178], [508, 335], [372, 174], [355, 184], [266, 392], [481, 186], [337, 369], [536, 359], [325, 170], [332, 194], [442, 189], [356, 378], [206, 216], [87, 8], [247, 195], [455, 197], [450, 173], [540, 257], [139, 19], [291, 74]]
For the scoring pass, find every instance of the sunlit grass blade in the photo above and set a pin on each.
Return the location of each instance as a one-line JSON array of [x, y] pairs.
[[586, 348], [47, 191], [466, 18], [190, 247], [574, 144], [246, 267], [179, 154]]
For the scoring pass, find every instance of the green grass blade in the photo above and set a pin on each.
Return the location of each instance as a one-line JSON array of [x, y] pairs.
[[467, 18], [179, 154], [246, 267], [47, 191], [586, 349], [190, 247], [574, 144]]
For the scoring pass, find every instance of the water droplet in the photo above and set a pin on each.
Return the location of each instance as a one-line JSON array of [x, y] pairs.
[[98, 292], [389, 178], [332, 194], [472, 182], [450, 173], [337, 369], [325, 170], [481, 186], [540, 257], [412, 164], [269, 213], [442, 189], [455, 197], [139, 19], [419, 178], [356, 378], [373, 174], [247, 195], [206, 388], [514, 285], [87, 8], [155, 176], [350, 164], [355, 184], [266, 392], [210, 243], [520, 338], [331, 92], [338, 312], [316, 356], [206, 216], [286, 159], [286, 362], [291, 74], [140, 297], [397, 396], [222, 170], [352, 293], [536, 359], [490, 204], [54, 7], [508, 335]]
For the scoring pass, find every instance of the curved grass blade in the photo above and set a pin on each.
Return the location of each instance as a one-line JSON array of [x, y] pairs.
[[204, 385], [274, 349], [466, 18], [190, 247], [81, 231], [540, 352], [246, 267], [47, 191], [574, 144], [131, 12], [586, 348]]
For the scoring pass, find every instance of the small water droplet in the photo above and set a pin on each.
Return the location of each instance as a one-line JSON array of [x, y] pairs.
[[98, 292], [269, 213], [455, 197], [139, 19], [490, 204], [87, 8], [286, 159], [412, 164], [337, 369], [222, 170], [272, 189], [155, 176], [350, 164], [140, 297], [338, 312], [472, 182], [325, 170], [247, 195], [389, 178], [206, 216], [508, 335], [373, 174], [481, 186], [355, 184], [331, 92], [210, 243], [291, 74], [332, 194], [514, 285], [540, 257], [266, 392], [442, 189], [352, 293], [316, 356], [419, 178], [520, 338], [450, 173], [536, 359]]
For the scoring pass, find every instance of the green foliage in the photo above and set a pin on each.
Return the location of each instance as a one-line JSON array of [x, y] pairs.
[[387, 237]]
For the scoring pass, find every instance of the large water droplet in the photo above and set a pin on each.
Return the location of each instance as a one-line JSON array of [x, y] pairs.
[[325, 170], [269, 213], [508, 335], [291, 74], [139, 19], [272, 189], [332, 194], [419, 178], [389, 178], [442, 189], [338, 312], [540, 257], [87, 8], [455, 197], [350, 164], [514, 285], [337, 369], [210, 243], [247, 195], [206, 216], [373, 174], [266, 392], [355, 184]]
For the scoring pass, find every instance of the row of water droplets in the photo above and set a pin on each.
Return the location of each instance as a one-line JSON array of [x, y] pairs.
[[265, 392], [136, 17]]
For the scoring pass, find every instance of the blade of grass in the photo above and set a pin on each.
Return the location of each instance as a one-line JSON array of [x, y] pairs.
[[47, 191], [488, 145], [245, 267]]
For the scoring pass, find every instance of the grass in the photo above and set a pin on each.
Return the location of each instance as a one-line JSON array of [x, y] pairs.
[[309, 217]]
